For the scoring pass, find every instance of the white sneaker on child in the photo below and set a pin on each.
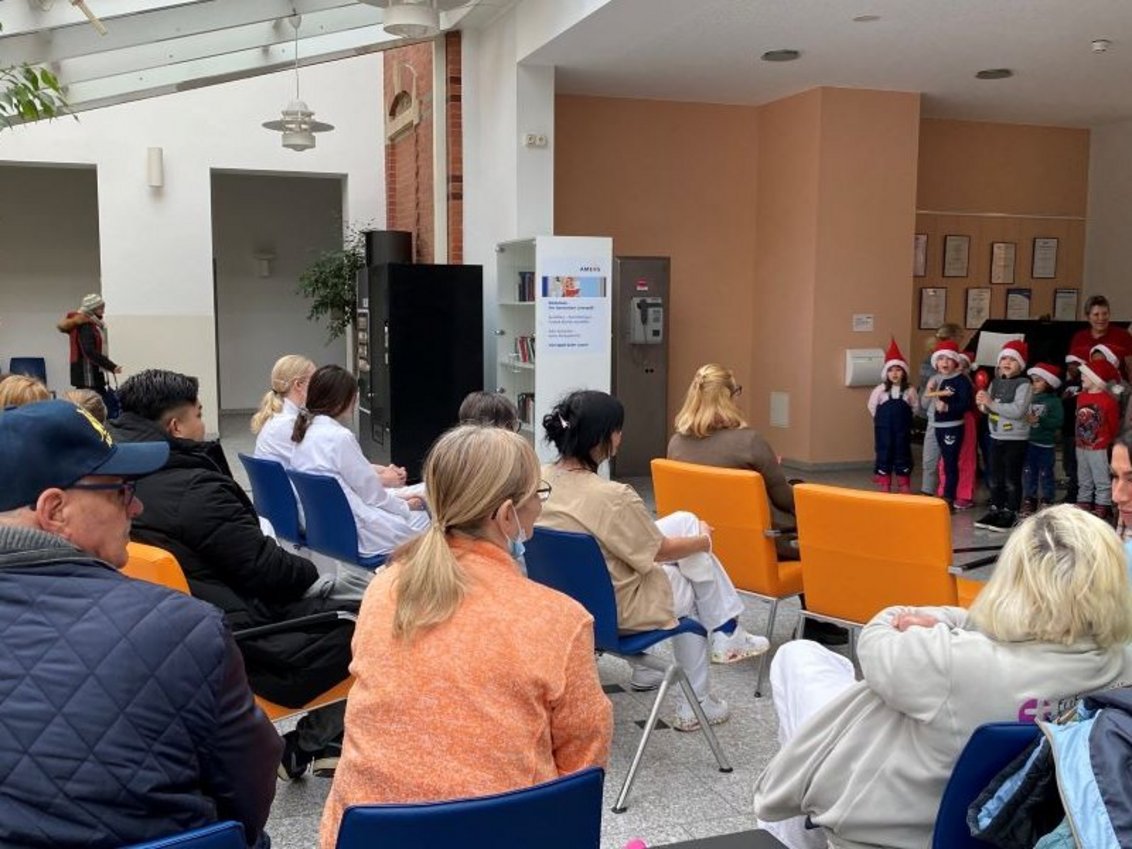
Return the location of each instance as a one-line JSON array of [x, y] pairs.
[[738, 645], [645, 678], [716, 710]]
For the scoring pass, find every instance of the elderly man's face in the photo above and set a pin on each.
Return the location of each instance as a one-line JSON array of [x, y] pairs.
[[97, 520]]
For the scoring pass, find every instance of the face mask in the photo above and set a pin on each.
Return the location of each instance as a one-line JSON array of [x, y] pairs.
[[515, 546]]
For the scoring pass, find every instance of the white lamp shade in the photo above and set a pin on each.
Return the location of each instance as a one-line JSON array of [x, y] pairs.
[[154, 167], [411, 20]]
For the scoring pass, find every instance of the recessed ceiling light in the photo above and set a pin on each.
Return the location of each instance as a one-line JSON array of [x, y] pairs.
[[866, 19], [781, 55], [994, 74]]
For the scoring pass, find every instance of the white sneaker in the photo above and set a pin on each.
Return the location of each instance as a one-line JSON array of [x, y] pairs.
[[716, 710], [738, 645], [644, 679]]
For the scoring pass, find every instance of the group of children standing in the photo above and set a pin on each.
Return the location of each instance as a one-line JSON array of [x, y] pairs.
[[1023, 414]]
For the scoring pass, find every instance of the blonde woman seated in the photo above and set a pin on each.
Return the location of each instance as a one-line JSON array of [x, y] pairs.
[[19, 389], [470, 679], [274, 422], [867, 761], [325, 445], [661, 569]]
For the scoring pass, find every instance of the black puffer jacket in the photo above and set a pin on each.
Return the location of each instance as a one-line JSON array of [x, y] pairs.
[[125, 714], [196, 510]]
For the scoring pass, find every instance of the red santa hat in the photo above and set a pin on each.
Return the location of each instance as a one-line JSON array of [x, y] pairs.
[[968, 358], [1105, 351], [1051, 374], [1015, 349], [1101, 371], [946, 348], [893, 357], [1074, 358]]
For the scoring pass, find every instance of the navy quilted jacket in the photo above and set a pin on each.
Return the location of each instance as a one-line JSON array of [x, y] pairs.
[[125, 714]]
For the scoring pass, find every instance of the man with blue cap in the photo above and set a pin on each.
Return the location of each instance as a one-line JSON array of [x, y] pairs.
[[126, 714]]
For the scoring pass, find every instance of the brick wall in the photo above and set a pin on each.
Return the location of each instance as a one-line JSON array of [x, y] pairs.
[[454, 116]]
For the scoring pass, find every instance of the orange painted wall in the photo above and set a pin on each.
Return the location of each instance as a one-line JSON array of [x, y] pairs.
[[669, 179]]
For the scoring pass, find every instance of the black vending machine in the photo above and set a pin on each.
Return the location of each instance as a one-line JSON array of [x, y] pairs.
[[419, 352]]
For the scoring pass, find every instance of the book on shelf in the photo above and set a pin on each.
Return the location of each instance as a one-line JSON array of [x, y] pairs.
[[525, 348], [525, 289], [525, 403]]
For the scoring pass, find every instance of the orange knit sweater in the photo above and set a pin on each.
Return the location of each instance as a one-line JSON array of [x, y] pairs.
[[503, 695]]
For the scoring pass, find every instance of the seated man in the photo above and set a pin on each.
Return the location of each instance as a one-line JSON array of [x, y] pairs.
[[126, 712], [197, 511]]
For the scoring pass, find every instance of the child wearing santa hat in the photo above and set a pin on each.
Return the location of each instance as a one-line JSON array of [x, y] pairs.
[[951, 399], [1070, 386], [891, 405], [968, 454], [1006, 402], [1097, 423], [1045, 417]]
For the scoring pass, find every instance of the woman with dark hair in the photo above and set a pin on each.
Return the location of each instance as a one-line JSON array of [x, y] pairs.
[[661, 569], [1101, 332], [325, 445], [1122, 486], [491, 409]]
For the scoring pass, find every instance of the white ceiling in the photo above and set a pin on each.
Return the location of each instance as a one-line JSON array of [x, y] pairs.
[[708, 51]]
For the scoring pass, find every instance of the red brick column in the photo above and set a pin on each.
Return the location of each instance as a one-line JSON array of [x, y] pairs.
[[408, 159], [454, 116]]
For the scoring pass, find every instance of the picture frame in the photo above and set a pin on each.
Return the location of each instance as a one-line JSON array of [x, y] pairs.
[[978, 307], [1044, 260], [956, 256], [933, 307], [1065, 304], [920, 255], [1002, 262], [1018, 303]]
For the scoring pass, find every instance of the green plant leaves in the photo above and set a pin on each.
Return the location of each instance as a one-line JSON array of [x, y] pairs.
[[28, 94], [330, 282]]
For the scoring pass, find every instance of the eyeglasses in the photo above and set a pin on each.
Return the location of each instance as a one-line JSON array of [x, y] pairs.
[[737, 391], [125, 490], [543, 491]]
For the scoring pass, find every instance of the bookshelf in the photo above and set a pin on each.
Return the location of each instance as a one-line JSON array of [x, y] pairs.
[[573, 351]]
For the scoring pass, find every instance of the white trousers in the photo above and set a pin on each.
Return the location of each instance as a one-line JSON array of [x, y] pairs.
[[700, 589], [804, 677]]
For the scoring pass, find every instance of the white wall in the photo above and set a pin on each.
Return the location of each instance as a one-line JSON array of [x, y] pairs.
[[1108, 249], [261, 318], [156, 244], [48, 261]]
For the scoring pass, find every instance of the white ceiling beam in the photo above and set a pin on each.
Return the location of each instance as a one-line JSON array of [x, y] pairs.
[[24, 16]]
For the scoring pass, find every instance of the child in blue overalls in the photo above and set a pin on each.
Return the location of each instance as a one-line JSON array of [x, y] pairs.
[[891, 405]]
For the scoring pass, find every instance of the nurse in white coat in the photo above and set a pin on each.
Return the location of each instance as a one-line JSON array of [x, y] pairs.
[[326, 446], [274, 422]]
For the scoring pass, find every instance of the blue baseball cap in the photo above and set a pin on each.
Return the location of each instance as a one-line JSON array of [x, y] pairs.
[[55, 443]]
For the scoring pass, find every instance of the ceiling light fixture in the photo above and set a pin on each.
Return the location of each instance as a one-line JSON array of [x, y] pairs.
[[781, 55], [1100, 45], [994, 74], [411, 19], [298, 125], [866, 19]]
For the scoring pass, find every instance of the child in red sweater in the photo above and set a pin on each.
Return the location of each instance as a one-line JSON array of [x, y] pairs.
[[1097, 423]]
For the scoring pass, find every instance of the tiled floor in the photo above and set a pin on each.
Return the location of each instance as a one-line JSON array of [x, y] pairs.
[[679, 793]]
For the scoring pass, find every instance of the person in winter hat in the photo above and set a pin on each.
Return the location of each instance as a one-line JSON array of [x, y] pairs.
[[1007, 404], [90, 342], [1045, 418], [1096, 426], [950, 399], [891, 405]]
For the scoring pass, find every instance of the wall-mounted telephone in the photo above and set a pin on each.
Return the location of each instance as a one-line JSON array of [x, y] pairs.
[[646, 321]]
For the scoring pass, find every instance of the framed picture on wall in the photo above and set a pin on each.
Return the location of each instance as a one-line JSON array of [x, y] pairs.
[[1002, 262], [1065, 304], [933, 307], [978, 307], [920, 255], [956, 253], [1018, 303], [1045, 258]]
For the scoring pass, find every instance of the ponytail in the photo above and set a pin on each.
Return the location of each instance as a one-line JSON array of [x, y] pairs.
[[429, 585], [271, 405], [302, 423]]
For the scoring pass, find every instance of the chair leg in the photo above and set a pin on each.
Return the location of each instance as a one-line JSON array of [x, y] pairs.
[[799, 629], [670, 674], [705, 726], [770, 638]]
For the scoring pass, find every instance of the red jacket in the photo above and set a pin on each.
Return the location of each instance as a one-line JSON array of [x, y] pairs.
[[1098, 420]]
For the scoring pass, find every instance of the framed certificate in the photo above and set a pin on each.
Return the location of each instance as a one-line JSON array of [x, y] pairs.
[[956, 252], [1018, 303], [920, 255], [1045, 258], [1002, 262], [978, 307], [1065, 304], [933, 307]]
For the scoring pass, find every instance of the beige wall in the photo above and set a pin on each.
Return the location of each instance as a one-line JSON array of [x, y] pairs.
[[669, 179]]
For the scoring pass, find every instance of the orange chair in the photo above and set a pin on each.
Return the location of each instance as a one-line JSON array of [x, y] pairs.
[[735, 504], [865, 551], [967, 590], [158, 566]]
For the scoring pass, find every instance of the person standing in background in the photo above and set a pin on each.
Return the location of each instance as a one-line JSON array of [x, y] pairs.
[[90, 342]]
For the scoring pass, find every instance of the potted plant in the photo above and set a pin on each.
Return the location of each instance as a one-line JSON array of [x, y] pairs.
[[330, 282]]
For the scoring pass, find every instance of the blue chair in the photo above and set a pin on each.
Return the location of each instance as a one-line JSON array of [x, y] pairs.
[[990, 750], [561, 814], [330, 521], [221, 835], [31, 366], [573, 564], [274, 498]]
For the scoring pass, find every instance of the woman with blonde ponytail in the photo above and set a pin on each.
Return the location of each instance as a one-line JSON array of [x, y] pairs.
[[273, 422], [469, 678]]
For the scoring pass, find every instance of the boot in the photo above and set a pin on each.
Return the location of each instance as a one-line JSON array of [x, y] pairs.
[[903, 484], [883, 482], [1029, 507]]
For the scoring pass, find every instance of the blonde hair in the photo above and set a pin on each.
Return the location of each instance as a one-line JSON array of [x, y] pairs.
[[19, 389], [469, 473], [287, 371], [1061, 578], [708, 406], [89, 400]]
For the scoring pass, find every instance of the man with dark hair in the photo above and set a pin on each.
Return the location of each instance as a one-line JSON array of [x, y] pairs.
[[197, 511], [126, 711]]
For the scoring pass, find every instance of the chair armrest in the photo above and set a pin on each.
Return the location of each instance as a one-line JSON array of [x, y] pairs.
[[958, 568], [296, 624], [784, 533]]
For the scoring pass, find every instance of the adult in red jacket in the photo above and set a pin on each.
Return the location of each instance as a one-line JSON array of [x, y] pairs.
[[1101, 332], [89, 363]]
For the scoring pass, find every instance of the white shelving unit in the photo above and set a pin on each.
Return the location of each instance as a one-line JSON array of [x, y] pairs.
[[560, 340]]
